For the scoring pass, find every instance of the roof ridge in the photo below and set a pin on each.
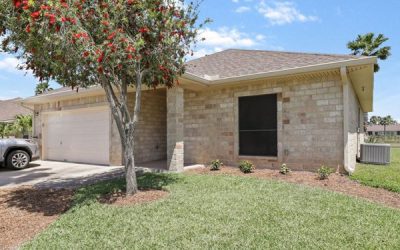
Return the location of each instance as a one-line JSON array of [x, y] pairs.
[[292, 52], [12, 99]]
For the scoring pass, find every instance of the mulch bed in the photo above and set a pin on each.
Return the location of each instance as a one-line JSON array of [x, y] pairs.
[[336, 182], [119, 198], [26, 211]]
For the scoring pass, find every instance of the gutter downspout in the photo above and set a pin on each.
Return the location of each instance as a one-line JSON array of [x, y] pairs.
[[346, 113]]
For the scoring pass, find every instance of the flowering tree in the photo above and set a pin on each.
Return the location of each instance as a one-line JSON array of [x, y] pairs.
[[117, 44]]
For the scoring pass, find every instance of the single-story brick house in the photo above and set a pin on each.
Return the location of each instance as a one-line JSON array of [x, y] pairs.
[[9, 109], [269, 107], [389, 130]]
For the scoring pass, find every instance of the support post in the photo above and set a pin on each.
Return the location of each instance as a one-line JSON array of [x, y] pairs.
[[175, 144]]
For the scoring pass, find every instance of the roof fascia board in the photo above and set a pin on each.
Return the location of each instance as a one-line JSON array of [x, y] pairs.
[[66, 93]]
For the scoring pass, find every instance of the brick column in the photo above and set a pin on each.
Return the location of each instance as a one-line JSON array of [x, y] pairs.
[[175, 129]]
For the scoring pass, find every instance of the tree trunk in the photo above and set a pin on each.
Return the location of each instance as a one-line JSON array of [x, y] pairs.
[[126, 124], [129, 160], [384, 131]]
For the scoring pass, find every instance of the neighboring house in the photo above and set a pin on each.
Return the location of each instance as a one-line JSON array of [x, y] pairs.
[[9, 109], [391, 130], [269, 107]]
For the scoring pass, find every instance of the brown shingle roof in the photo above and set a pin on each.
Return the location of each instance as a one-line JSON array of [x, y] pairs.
[[378, 128], [238, 62], [10, 108]]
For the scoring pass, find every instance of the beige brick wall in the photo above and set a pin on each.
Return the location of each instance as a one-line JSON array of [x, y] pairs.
[[310, 127], [151, 140]]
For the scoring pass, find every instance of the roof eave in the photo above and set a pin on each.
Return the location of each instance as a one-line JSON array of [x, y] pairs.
[[363, 85], [202, 82], [277, 73]]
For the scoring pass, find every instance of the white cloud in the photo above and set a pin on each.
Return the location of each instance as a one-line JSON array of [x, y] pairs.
[[9, 64], [280, 13], [230, 38], [202, 52], [226, 38], [260, 37], [235, 1], [242, 9]]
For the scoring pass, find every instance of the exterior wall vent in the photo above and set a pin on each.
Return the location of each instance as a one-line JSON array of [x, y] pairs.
[[375, 154]]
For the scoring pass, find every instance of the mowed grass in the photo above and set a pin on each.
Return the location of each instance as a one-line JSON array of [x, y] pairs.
[[381, 176], [223, 212]]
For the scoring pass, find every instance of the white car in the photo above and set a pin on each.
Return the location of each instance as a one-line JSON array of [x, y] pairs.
[[17, 153]]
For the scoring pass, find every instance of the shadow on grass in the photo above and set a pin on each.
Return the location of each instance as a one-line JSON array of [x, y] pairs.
[[48, 202], [51, 202], [148, 181]]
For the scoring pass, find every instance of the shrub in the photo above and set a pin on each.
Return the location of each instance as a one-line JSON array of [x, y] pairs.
[[246, 167], [324, 172], [216, 165], [284, 169]]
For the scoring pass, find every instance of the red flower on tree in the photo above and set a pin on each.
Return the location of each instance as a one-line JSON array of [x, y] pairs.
[[100, 58], [143, 30], [17, 3], [111, 36], [45, 7], [35, 14]]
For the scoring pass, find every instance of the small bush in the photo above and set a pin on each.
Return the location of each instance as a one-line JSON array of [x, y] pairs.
[[246, 167], [216, 165], [324, 172], [284, 169]]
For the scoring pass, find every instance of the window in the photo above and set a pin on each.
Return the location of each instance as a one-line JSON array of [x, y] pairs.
[[398, 132], [258, 125]]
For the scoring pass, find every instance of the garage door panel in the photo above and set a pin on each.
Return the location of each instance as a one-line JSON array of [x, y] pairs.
[[78, 136]]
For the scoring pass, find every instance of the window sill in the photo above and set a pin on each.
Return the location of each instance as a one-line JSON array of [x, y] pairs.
[[270, 158]]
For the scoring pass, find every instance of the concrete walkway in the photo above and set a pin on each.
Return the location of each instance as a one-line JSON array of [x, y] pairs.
[[51, 174]]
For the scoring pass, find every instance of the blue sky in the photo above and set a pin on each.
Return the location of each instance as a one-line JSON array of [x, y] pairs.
[[306, 26]]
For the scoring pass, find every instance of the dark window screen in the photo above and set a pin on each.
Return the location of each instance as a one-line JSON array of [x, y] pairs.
[[258, 125]]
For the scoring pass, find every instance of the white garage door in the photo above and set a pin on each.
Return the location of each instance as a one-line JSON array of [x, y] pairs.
[[77, 136]]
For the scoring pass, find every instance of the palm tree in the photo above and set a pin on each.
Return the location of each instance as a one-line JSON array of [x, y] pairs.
[[23, 125], [42, 87], [8, 130], [369, 45], [387, 120], [2, 126], [375, 120]]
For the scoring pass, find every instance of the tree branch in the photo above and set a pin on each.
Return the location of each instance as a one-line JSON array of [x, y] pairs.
[[138, 85], [115, 108]]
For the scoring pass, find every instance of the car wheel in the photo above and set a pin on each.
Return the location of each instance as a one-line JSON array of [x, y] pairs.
[[18, 159]]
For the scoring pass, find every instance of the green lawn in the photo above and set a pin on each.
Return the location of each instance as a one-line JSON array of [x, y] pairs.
[[224, 212], [387, 177]]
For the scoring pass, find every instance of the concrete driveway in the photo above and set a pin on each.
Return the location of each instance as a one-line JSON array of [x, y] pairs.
[[51, 174]]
